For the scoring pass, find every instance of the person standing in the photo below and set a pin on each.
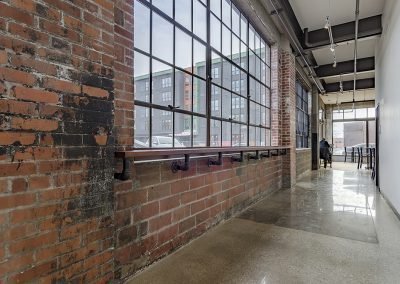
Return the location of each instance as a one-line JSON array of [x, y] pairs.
[[324, 151]]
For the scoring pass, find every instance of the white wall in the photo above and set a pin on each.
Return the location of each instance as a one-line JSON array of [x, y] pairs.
[[388, 97]]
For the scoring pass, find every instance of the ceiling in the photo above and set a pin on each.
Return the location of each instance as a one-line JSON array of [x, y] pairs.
[[311, 14], [361, 95]]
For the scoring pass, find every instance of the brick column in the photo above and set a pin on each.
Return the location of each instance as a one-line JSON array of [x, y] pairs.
[[287, 86]]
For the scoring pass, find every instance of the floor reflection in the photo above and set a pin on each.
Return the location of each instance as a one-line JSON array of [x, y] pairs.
[[330, 202]]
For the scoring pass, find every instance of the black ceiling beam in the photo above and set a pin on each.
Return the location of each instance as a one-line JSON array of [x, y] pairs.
[[367, 27], [348, 85], [346, 67]]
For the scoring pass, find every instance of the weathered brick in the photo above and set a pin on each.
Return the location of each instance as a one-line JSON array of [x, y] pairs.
[[16, 76], [34, 124], [35, 95]]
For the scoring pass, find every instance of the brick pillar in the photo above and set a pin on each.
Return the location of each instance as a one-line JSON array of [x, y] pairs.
[[288, 113], [276, 99]]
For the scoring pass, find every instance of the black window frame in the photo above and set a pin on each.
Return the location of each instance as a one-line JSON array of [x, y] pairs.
[[302, 116], [263, 84]]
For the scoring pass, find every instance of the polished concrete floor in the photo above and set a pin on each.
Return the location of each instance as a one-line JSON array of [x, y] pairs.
[[333, 227]]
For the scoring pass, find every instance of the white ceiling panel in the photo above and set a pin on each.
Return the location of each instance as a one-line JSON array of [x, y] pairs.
[[345, 51], [350, 77], [311, 14], [361, 95]]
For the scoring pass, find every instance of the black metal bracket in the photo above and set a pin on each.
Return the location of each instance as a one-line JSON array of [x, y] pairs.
[[177, 166], [275, 153], [238, 159], [266, 154], [124, 175], [215, 162], [254, 157]]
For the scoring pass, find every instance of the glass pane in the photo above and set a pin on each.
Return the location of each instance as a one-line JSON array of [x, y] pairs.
[[263, 120], [253, 108], [252, 63], [142, 77], [258, 114], [162, 36], [226, 12], [236, 135], [199, 59], [162, 129], [183, 13], [361, 113], [183, 90], [243, 84], [349, 114], [215, 133], [215, 6], [227, 74], [199, 131], [251, 37], [215, 101], [337, 114], [226, 42], [235, 49], [226, 134], [200, 20], [183, 130], [267, 137], [243, 135], [162, 83], [142, 127], [216, 69], [262, 51], [257, 44], [164, 5], [235, 20], [268, 77], [243, 29], [252, 91], [252, 136], [236, 107], [267, 97], [267, 117], [199, 96], [216, 33], [371, 113], [183, 50], [243, 110], [226, 104], [243, 56], [142, 23], [267, 55], [258, 68]]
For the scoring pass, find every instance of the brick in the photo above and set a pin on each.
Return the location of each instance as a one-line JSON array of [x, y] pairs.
[[39, 182], [35, 272], [94, 92], [169, 203], [35, 95], [3, 57], [28, 33], [16, 263], [15, 14], [18, 138], [19, 185], [62, 86], [16, 76], [16, 200], [34, 124], [16, 107], [17, 169]]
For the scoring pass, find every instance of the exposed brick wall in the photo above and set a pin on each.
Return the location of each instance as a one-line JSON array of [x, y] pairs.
[[303, 162], [166, 210], [66, 104], [56, 153]]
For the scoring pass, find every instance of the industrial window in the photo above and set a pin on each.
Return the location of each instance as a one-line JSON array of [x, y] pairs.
[[207, 88], [302, 114]]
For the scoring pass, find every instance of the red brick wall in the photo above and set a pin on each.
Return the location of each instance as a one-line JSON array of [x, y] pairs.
[[166, 210], [56, 148], [66, 104]]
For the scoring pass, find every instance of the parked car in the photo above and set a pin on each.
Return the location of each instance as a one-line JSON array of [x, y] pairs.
[[164, 142], [139, 144]]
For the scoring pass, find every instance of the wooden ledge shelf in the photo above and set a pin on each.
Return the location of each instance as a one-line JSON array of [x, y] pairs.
[[237, 155]]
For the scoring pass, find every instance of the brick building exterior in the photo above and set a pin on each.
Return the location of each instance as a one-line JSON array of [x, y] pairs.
[[66, 105]]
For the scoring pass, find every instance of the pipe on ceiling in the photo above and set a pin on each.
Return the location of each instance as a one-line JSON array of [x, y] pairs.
[[300, 50], [355, 47]]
